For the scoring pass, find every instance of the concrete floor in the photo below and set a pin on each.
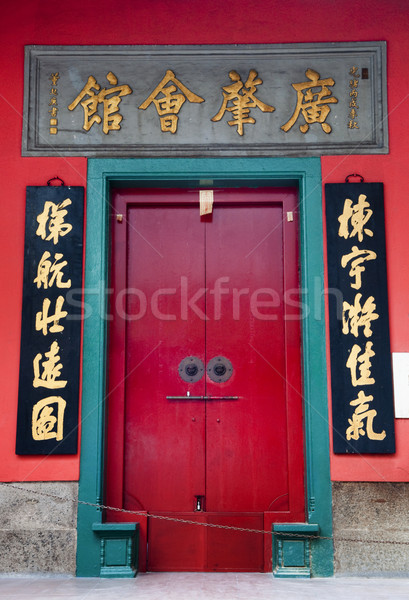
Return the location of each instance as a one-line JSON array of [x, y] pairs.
[[200, 586]]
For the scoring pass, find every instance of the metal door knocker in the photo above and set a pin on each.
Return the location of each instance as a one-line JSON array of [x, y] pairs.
[[191, 369], [219, 369]]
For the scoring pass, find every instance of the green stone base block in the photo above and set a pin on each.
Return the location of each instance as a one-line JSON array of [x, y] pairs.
[[292, 549], [119, 548]]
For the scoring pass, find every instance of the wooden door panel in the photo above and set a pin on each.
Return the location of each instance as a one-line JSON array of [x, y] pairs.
[[175, 546], [206, 287], [164, 440], [230, 550], [247, 439]]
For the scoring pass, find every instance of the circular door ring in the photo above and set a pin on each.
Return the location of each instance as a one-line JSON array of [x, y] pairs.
[[191, 369], [219, 369]]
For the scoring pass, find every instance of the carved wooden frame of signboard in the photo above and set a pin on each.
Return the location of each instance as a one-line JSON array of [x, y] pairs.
[[259, 100]]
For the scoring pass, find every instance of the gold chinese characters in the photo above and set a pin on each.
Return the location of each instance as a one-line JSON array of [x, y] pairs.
[[168, 103], [51, 223], [48, 419], [51, 369], [356, 422], [313, 98], [53, 103], [358, 317], [109, 98], [240, 99], [353, 98], [51, 274]]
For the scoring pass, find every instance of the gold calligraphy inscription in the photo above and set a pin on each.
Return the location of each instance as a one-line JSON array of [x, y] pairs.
[[109, 98], [54, 77], [49, 272], [46, 425], [355, 316], [352, 222], [357, 426], [357, 257], [364, 361], [169, 102], [51, 369], [239, 98], [51, 223], [356, 215], [43, 320], [353, 98], [313, 98], [53, 103]]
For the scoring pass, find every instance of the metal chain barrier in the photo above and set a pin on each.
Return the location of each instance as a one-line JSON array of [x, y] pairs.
[[189, 522]]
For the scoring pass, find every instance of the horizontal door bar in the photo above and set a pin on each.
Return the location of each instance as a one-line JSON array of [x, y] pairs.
[[202, 397]]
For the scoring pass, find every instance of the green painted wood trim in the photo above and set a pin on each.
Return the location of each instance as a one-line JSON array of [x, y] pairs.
[[233, 172], [307, 528], [93, 380], [115, 527]]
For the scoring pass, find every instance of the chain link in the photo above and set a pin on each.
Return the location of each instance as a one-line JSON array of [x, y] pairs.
[[212, 525]]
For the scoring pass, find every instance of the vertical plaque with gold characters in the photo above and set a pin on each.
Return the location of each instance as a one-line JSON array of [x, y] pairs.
[[47, 420], [361, 369]]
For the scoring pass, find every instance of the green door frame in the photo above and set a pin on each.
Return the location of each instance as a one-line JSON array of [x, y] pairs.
[[205, 172]]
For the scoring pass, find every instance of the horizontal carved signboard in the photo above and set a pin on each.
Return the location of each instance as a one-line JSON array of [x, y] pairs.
[[47, 421], [296, 99], [361, 369]]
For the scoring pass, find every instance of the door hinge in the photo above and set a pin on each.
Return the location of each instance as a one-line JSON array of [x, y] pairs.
[[290, 216]]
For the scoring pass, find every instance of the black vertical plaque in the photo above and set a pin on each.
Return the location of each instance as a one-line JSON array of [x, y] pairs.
[[373, 419], [47, 420]]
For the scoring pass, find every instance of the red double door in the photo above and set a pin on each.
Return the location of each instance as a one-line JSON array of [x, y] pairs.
[[204, 406]]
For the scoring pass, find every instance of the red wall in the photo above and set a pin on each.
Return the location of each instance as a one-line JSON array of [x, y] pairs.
[[195, 22]]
